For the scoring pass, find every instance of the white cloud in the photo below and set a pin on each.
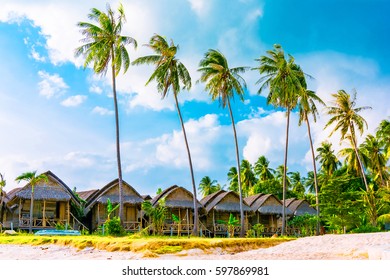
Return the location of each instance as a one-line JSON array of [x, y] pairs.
[[74, 101], [36, 56], [200, 7], [95, 89], [102, 111], [51, 85]]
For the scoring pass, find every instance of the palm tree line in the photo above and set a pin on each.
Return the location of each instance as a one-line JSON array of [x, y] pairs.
[[282, 78], [104, 47]]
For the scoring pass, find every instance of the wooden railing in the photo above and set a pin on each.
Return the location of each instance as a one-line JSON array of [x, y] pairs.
[[76, 224], [132, 226], [40, 222]]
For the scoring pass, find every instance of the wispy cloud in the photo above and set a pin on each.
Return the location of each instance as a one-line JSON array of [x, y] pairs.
[[51, 85], [74, 101], [102, 111]]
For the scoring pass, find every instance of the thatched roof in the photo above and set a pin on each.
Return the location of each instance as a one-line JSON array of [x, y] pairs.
[[84, 195], [54, 189], [103, 194], [261, 203], [10, 195], [146, 197], [226, 202], [300, 207], [207, 199], [176, 197]]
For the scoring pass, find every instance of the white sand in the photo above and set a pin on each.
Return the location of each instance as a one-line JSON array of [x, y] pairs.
[[327, 247]]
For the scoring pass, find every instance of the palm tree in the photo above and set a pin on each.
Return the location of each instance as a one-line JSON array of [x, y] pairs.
[[297, 184], [282, 78], [32, 180], [307, 106], [248, 177], [327, 158], [223, 83], [233, 179], [2, 195], [374, 152], [170, 73], [208, 186], [105, 47], [351, 161], [262, 169], [345, 114], [383, 134]]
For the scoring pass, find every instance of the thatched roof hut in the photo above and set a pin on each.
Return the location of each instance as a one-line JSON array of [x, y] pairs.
[[300, 207], [224, 201], [266, 204], [55, 189], [176, 197], [111, 191]]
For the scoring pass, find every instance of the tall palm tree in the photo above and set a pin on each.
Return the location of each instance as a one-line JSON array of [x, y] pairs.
[[327, 158], [170, 73], [346, 116], [282, 78], [32, 180], [248, 177], [374, 152], [262, 169], [223, 83], [307, 100], [105, 48], [208, 186], [2, 195]]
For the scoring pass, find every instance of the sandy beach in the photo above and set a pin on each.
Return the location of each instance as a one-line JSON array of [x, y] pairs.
[[327, 247]]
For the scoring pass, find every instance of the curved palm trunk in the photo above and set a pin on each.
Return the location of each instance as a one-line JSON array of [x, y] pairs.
[[285, 174], [196, 216], [242, 231], [315, 176], [118, 151], [31, 209], [357, 156]]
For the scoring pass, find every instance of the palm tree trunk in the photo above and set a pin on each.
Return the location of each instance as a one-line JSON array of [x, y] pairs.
[[242, 231], [31, 209], [357, 156], [285, 174], [315, 176], [118, 151], [196, 216]]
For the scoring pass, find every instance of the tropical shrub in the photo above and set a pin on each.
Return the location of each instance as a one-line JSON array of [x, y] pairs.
[[113, 227], [258, 229], [305, 223]]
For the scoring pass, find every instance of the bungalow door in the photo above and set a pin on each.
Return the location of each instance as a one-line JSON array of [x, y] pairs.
[[131, 214]]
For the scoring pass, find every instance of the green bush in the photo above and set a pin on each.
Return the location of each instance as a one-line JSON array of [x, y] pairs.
[[113, 227], [250, 233], [365, 229]]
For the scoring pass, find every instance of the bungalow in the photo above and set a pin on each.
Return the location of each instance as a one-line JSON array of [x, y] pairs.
[[53, 204], [268, 212], [300, 207], [178, 201], [219, 206], [96, 205]]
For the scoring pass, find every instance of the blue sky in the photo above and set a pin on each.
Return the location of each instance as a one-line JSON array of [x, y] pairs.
[[54, 115]]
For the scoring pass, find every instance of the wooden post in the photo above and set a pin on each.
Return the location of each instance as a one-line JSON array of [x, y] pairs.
[[44, 214], [68, 212], [213, 222], [20, 210], [98, 214], [188, 222]]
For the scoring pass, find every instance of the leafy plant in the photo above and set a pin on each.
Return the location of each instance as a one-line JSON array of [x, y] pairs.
[[110, 208], [156, 215], [177, 220], [232, 223], [113, 227], [258, 229], [305, 223]]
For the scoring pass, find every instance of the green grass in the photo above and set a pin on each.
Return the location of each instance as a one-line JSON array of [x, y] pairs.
[[150, 246]]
